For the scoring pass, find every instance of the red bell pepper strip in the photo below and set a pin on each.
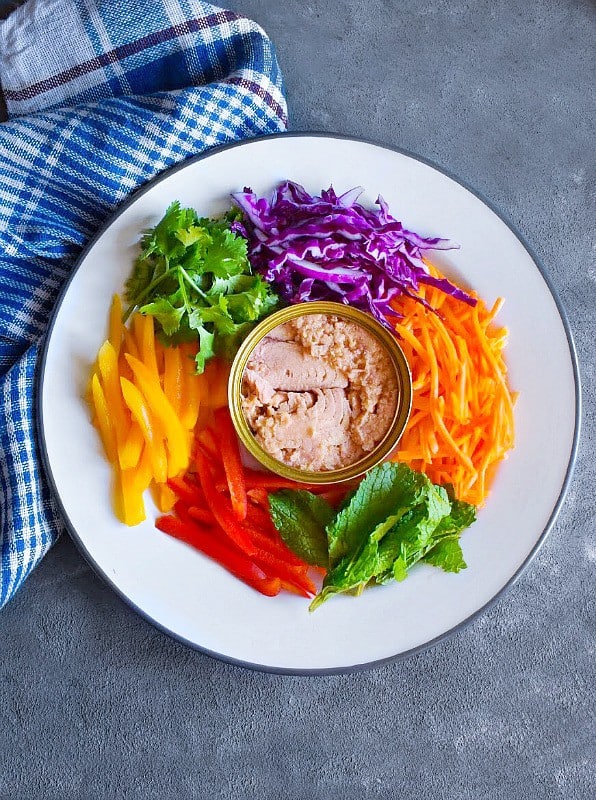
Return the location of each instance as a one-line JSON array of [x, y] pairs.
[[201, 515], [188, 491], [259, 497], [215, 546], [181, 510], [208, 443], [258, 516], [289, 587], [267, 480], [274, 545], [232, 462], [274, 566], [221, 508]]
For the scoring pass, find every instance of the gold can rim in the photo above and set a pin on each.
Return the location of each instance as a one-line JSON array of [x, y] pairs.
[[402, 410]]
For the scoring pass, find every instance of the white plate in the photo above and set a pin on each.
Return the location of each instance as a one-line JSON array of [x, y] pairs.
[[195, 600]]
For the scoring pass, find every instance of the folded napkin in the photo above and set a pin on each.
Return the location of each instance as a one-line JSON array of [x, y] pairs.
[[101, 97]]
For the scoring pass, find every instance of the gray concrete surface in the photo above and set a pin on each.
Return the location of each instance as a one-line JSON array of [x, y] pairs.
[[95, 703]]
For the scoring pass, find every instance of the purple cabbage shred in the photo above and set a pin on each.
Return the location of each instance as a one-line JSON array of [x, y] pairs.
[[333, 248]]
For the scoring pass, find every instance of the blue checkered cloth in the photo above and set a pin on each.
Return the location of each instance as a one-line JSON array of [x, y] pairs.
[[101, 97]]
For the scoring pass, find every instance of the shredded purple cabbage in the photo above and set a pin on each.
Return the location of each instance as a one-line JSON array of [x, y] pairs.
[[333, 248]]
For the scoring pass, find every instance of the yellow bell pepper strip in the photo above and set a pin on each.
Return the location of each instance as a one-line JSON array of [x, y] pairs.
[[130, 344], [115, 327], [165, 498], [107, 361], [176, 439], [104, 419], [133, 507], [140, 412], [145, 339], [193, 386], [133, 483], [173, 378], [217, 373], [129, 451]]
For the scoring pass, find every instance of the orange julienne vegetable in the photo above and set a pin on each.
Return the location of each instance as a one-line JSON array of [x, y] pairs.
[[461, 425]]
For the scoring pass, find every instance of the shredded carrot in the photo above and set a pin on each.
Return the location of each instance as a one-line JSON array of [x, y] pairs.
[[462, 424]]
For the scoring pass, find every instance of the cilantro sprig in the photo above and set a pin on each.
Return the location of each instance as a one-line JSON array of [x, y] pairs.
[[193, 276]]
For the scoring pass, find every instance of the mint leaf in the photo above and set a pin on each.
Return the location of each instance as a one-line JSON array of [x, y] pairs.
[[301, 518], [396, 518], [386, 490], [447, 554]]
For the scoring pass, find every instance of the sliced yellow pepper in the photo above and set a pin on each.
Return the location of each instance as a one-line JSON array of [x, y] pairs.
[[173, 378], [145, 339], [104, 419], [107, 361], [116, 328], [129, 451], [159, 404], [151, 432]]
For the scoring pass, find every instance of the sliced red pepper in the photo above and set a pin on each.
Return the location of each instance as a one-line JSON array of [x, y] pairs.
[[289, 587], [201, 515], [267, 480], [258, 516], [187, 490], [208, 443], [181, 510], [232, 463], [213, 545], [259, 497], [221, 508], [334, 496], [274, 546], [275, 566]]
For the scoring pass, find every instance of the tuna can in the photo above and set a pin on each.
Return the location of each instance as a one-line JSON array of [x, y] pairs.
[[398, 361]]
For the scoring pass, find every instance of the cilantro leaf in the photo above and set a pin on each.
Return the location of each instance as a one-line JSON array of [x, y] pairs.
[[206, 350], [165, 313], [193, 276]]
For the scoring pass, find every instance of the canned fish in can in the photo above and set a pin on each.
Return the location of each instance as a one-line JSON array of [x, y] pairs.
[[403, 383]]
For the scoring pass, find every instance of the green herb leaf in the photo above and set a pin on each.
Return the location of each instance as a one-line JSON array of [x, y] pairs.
[[388, 490], [165, 313], [205, 348], [395, 519], [447, 554], [301, 518], [193, 276]]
